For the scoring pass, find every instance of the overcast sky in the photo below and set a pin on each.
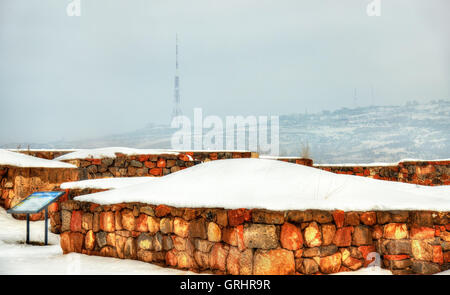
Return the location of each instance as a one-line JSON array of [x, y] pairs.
[[112, 68]]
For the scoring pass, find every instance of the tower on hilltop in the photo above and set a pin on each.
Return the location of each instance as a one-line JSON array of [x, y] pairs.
[[176, 106]]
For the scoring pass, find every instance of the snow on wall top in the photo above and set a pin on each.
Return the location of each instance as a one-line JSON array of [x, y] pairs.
[[8, 158], [379, 163], [275, 185], [110, 152], [105, 183]]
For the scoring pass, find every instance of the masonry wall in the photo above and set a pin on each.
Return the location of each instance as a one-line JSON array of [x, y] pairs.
[[418, 172], [259, 241], [17, 183], [148, 165]]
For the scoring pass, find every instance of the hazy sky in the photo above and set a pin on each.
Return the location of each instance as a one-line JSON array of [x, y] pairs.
[[111, 69]]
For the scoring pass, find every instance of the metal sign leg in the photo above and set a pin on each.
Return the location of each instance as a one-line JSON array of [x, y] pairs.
[[46, 226], [28, 228]]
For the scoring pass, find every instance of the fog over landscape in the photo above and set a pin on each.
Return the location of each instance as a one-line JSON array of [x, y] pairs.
[[351, 86]]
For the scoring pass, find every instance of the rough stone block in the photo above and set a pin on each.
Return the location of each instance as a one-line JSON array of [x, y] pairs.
[[309, 266], [421, 250], [299, 216], [260, 236], [291, 237], [369, 218], [89, 240], [425, 268], [218, 256], [313, 235], [274, 262], [128, 220], [362, 236], [321, 216], [214, 232], [197, 229], [343, 236], [352, 219], [268, 217], [330, 264], [153, 224], [328, 232], [166, 225], [421, 233], [395, 231], [75, 221], [181, 227]]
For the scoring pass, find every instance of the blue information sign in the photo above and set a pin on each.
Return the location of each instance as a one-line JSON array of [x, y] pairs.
[[35, 203]]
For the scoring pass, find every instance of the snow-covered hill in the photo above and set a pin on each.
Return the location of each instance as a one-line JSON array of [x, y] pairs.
[[365, 134]]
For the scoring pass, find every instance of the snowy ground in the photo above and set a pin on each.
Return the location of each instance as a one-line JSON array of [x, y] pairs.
[[18, 258]]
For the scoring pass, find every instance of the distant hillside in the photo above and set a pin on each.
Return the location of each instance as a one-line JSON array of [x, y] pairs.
[[359, 135]]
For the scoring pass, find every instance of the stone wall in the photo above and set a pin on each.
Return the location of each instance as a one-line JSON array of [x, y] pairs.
[[256, 242], [148, 165], [417, 172], [17, 183], [293, 160]]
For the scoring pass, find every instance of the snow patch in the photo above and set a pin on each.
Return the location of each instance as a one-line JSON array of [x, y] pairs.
[[275, 185], [105, 183], [110, 152], [8, 158]]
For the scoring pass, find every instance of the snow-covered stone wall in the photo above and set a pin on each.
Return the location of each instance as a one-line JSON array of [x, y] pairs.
[[417, 172], [243, 241], [148, 164], [16, 183]]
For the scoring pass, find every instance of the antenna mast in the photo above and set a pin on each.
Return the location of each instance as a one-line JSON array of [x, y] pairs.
[[176, 107]]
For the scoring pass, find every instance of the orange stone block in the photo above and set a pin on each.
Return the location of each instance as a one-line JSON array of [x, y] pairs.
[[313, 236], [162, 210], [141, 223], [229, 236], [93, 207], [181, 227], [396, 231], [422, 233], [75, 221], [218, 256], [54, 207], [331, 264], [447, 257], [240, 237], [368, 218], [291, 237], [339, 218], [128, 220], [65, 242], [161, 163], [171, 258], [149, 164], [107, 222], [143, 158], [156, 171], [237, 216], [89, 240], [274, 262], [343, 237], [396, 257], [438, 256], [95, 161]]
